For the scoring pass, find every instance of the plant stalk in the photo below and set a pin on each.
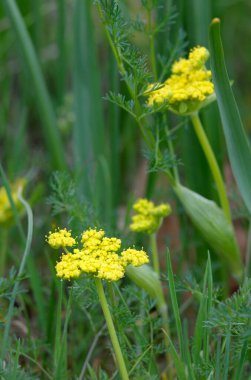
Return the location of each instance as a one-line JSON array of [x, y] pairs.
[[6, 337], [212, 164], [162, 306], [248, 253], [111, 329], [155, 257], [152, 45], [3, 252]]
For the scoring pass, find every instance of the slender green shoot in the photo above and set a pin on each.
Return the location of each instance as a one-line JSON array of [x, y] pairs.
[[155, 256], [239, 369], [57, 342], [152, 45], [180, 367], [20, 272], [174, 302], [111, 329], [212, 164]]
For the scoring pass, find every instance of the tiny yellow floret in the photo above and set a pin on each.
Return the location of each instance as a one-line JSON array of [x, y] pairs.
[[60, 238], [98, 256], [188, 86], [148, 217]]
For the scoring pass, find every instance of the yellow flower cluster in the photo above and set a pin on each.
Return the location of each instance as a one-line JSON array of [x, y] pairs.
[[148, 217], [98, 256], [5, 207], [60, 238], [188, 86]]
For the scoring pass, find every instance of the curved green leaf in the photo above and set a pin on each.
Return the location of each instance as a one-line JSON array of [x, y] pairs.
[[237, 143], [211, 222]]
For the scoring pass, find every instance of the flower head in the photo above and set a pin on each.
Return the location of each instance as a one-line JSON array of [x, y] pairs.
[[134, 257], [98, 256], [6, 213], [189, 85], [60, 238], [148, 217]]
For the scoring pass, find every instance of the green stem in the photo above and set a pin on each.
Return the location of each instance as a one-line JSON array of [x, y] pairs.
[[212, 164], [147, 135], [155, 257], [3, 252], [152, 46], [162, 307], [57, 343], [148, 138], [224, 279], [14, 293], [248, 253], [111, 329], [61, 43], [171, 149], [163, 311]]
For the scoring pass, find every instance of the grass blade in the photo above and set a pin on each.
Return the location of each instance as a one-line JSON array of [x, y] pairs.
[[174, 301], [241, 361], [198, 333], [180, 368], [44, 105], [237, 143], [227, 355], [218, 360], [61, 43], [187, 352], [89, 140]]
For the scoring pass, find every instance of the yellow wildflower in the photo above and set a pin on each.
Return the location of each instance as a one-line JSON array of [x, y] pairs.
[[98, 256], [5, 207], [189, 85], [134, 257], [148, 217], [60, 238]]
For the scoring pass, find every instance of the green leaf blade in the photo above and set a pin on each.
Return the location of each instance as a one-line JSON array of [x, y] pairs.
[[42, 98], [211, 222], [237, 142]]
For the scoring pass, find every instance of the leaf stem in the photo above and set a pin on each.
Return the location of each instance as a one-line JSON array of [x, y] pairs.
[[111, 329], [162, 306], [148, 138], [5, 339], [154, 249], [152, 45], [3, 252], [171, 149], [248, 253], [212, 164]]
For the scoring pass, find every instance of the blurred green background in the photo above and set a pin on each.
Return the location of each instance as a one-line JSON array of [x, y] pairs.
[[55, 70], [78, 70]]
